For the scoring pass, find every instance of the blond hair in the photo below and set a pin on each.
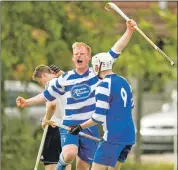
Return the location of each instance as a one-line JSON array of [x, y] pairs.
[[82, 44], [39, 70]]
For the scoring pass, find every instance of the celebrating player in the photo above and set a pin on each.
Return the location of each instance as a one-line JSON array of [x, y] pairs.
[[78, 86], [114, 105]]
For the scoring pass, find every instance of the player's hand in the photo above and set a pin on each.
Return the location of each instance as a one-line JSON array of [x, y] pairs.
[[54, 68], [21, 102], [75, 129], [130, 24], [43, 124], [48, 122]]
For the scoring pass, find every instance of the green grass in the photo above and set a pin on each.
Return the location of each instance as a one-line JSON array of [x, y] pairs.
[[144, 166], [147, 166]]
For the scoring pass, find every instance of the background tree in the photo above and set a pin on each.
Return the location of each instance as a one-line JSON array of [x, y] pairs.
[[36, 33]]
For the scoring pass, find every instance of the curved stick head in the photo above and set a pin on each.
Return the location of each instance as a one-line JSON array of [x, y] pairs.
[[172, 63], [107, 7]]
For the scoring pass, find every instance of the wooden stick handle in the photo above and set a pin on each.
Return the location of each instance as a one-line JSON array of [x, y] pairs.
[[110, 5], [41, 147], [80, 133]]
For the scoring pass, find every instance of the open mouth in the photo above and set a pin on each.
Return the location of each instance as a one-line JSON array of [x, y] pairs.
[[79, 60]]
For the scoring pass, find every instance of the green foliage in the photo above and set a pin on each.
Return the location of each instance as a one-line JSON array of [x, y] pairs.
[[19, 145], [43, 32], [36, 33]]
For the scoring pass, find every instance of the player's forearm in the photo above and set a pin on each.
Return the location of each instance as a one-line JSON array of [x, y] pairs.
[[123, 41], [87, 124], [39, 99]]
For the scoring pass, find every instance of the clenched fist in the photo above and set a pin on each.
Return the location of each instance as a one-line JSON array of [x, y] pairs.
[[130, 24], [21, 102], [75, 129]]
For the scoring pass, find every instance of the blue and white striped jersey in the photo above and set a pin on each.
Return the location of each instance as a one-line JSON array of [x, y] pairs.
[[114, 105], [60, 102], [79, 91]]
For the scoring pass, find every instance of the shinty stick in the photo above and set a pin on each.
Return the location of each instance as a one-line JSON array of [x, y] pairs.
[[68, 128], [41, 147], [110, 5]]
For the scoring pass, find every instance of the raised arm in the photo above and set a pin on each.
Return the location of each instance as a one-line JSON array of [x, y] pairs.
[[123, 41]]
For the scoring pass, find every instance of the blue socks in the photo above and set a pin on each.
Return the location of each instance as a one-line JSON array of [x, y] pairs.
[[61, 164]]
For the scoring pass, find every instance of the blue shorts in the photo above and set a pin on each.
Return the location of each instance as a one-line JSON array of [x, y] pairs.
[[108, 154], [86, 147]]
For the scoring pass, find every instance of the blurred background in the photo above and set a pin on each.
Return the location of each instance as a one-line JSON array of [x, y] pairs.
[[34, 33]]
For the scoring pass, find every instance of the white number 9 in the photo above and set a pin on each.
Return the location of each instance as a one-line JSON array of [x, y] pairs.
[[124, 96]]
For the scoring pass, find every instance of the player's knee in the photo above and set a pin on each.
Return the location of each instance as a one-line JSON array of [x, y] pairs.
[[69, 153], [70, 156]]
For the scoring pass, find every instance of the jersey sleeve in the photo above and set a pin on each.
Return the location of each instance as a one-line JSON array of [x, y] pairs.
[[102, 103], [114, 54], [54, 89], [132, 101]]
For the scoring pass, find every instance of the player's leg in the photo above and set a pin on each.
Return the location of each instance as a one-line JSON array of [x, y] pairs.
[[67, 156], [122, 157], [107, 154], [69, 145], [117, 167], [53, 166], [81, 165], [87, 148], [96, 166], [68, 167], [50, 167]]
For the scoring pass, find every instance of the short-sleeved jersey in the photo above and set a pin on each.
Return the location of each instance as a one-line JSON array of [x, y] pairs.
[[114, 105], [79, 91]]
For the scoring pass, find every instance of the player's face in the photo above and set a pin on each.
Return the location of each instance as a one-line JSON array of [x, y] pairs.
[[81, 57], [43, 79]]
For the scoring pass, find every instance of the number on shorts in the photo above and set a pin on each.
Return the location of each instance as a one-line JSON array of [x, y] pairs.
[[124, 96], [64, 139]]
